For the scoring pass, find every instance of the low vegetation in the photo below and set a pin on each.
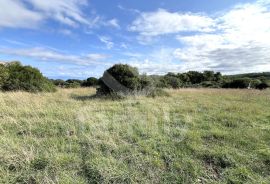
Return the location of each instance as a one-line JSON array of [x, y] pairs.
[[191, 136], [125, 79], [15, 77]]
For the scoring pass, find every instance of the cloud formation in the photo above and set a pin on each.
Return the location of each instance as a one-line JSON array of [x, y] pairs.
[[14, 14], [164, 22], [45, 54], [240, 43], [234, 41], [32, 13]]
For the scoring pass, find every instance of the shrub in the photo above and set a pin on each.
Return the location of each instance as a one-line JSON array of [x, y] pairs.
[[59, 82], [238, 83], [210, 84], [195, 77], [3, 75], [173, 82], [26, 78], [262, 86], [92, 81], [158, 93], [120, 79], [72, 85]]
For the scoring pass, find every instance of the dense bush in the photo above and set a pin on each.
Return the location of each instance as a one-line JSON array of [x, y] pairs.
[[262, 86], [59, 82], [210, 84], [123, 79], [25, 78], [91, 81], [172, 82], [3, 75], [240, 83]]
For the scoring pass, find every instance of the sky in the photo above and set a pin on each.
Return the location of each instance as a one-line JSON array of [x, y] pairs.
[[82, 38]]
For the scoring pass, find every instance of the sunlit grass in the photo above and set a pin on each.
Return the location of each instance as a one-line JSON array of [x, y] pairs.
[[193, 136]]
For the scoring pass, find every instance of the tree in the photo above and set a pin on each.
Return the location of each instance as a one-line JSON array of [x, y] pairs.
[[183, 77], [59, 82], [120, 78], [173, 81], [218, 77], [91, 81], [195, 77], [208, 76], [26, 78]]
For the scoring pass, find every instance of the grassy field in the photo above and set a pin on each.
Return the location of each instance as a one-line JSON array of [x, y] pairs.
[[193, 136]]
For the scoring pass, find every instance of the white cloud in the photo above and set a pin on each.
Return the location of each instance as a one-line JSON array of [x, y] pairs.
[[44, 54], [65, 11], [128, 9], [164, 22], [240, 43], [114, 23], [107, 41], [31, 13], [14, 14]]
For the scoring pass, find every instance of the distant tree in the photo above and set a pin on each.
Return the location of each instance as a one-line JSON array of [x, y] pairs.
[[183, 77], [238, 83], [91, 81], [208, 76], [73, 84], [195, 77], [59, 82], [218, 76], [173, 81], [74, 81], [210, 84], [26, 78]]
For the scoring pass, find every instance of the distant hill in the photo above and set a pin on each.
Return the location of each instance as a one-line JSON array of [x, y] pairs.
[[252, 75]]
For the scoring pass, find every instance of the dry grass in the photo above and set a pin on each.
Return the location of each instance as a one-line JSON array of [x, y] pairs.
[[193, 136]]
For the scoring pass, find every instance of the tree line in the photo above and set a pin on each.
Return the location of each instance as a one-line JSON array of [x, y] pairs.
[[14, 76]]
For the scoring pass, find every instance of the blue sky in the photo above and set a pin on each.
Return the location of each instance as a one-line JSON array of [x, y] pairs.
[[82, 38]]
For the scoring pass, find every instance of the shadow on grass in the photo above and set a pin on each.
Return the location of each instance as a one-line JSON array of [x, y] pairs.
[[99, 97], [85, 97]]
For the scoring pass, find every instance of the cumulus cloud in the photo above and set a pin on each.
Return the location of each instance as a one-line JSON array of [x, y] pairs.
[[52, 55], [14, 14], [240, 43], [163, 22]]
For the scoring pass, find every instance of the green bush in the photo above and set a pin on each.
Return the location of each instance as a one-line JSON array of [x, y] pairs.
[[26, 78], [210, 84], [173, 82], [122, 79], [92, 81], [158, 92], [3, 75], [262, 86], [240, 83]]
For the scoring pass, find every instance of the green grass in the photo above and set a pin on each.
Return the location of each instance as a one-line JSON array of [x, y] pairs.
[[192, 136]]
